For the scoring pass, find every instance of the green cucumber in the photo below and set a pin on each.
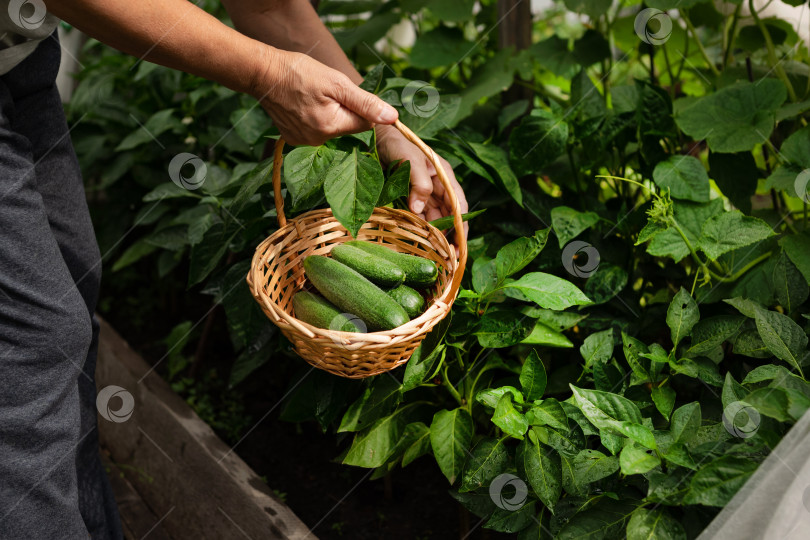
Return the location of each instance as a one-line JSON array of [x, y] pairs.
[[419, 272], [353, 293], [382, 272], [321, 313], [409, 299]]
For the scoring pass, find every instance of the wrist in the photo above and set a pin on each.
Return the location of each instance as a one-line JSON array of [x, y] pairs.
[[267, 67]]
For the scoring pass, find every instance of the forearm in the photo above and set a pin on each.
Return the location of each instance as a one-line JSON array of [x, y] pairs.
[[291, 25], [173, 33]]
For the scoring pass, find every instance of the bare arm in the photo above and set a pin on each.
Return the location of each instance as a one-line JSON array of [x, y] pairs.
[[308, 101], [294, 25]]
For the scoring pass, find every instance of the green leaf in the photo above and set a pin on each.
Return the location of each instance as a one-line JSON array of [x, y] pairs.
[[605, 519], [790, 287], [730, 231], [598, 347], [420, 443], [378, 400], [682, 315], [783, 337], [684, 177], [569, 223], [373, 446], [614, 413], [206, 255], [442, 46], [735, 118], [454, 10], [397, 185], [134, 253], [497, 158], [533, 377], [250, 124], [592, 8], [541, 467], [664, 399], [514, 256], [543, 335], [685, 422], [586, 467], [549, 412], [712, 332], [512, 521], [503, 329], [487, 460], [158, 123], [797, 247], [690, 216], [259, 176], [506, 417], [635, 459], [736, 175], [654, 524], [633, 350], [352, 186], [450, 436], [419, 366], [717, 482], [549, 291], [305, 170], [608, 281], [491, 396], [446, 222], [540, 138]]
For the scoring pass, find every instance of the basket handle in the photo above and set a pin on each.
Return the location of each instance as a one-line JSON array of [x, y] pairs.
[[458, 224]]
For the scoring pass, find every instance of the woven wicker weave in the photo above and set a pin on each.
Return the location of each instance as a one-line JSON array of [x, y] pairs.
[[277, 273]]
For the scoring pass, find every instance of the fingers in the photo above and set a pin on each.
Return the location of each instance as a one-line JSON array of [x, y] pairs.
[[366, 104], [421, 185]]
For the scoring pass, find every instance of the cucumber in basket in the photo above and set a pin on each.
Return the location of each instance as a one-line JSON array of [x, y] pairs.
[[419, 272], [380, 271], [353, 293], [319, 312], [411, 301]]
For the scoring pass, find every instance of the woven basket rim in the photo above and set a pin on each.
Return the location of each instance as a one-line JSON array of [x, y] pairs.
[[434, 312]]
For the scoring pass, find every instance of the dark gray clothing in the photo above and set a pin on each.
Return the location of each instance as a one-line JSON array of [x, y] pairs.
[[52, 484]]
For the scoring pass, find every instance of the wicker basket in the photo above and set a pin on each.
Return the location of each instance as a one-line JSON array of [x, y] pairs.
[[277, 273]]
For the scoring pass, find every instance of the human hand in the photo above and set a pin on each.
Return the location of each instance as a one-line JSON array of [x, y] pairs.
[[428, 198], [311, 103]]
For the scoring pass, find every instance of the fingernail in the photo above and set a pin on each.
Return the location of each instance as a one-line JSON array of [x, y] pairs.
[[417, 207], [388, 115]]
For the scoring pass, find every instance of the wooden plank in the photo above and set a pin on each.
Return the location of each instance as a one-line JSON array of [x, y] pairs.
[[187, 475]]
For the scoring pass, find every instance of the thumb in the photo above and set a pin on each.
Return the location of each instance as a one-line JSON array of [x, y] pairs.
[[368, 105], [421, 185]]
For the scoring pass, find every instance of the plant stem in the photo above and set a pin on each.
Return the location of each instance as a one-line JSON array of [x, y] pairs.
[[730, 35], [775, 64], [450, 387], [703, 53]]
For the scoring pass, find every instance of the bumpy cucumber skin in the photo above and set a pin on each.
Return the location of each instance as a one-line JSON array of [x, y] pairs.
[[419, 272], [353, 293], [377, 270], [321, 313], [410, 300]]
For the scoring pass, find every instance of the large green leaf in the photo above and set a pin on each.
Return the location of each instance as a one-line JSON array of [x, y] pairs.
[[636, 459], [543, 335], [533, 377], [614, 413], [731, 230], [682, 315], [690, 216], [452, 10], [512, 521], [352, 186], [378, 399], [735, 118], [790, 288], [442, 46], [514, 256], [603, 520], [503, 328], [783, 337], [608, 281], [373, 446], [450, 436], [487, 460], [569, 223], [598, 347], [510, 420], [419, 443], [305, 170], [550, 413], [797, 248], [712, 332], [592, 8], [717, 482], [684, 177], [497, 158], [549, 291], [540, 138], [654, 524], [541, 467]]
